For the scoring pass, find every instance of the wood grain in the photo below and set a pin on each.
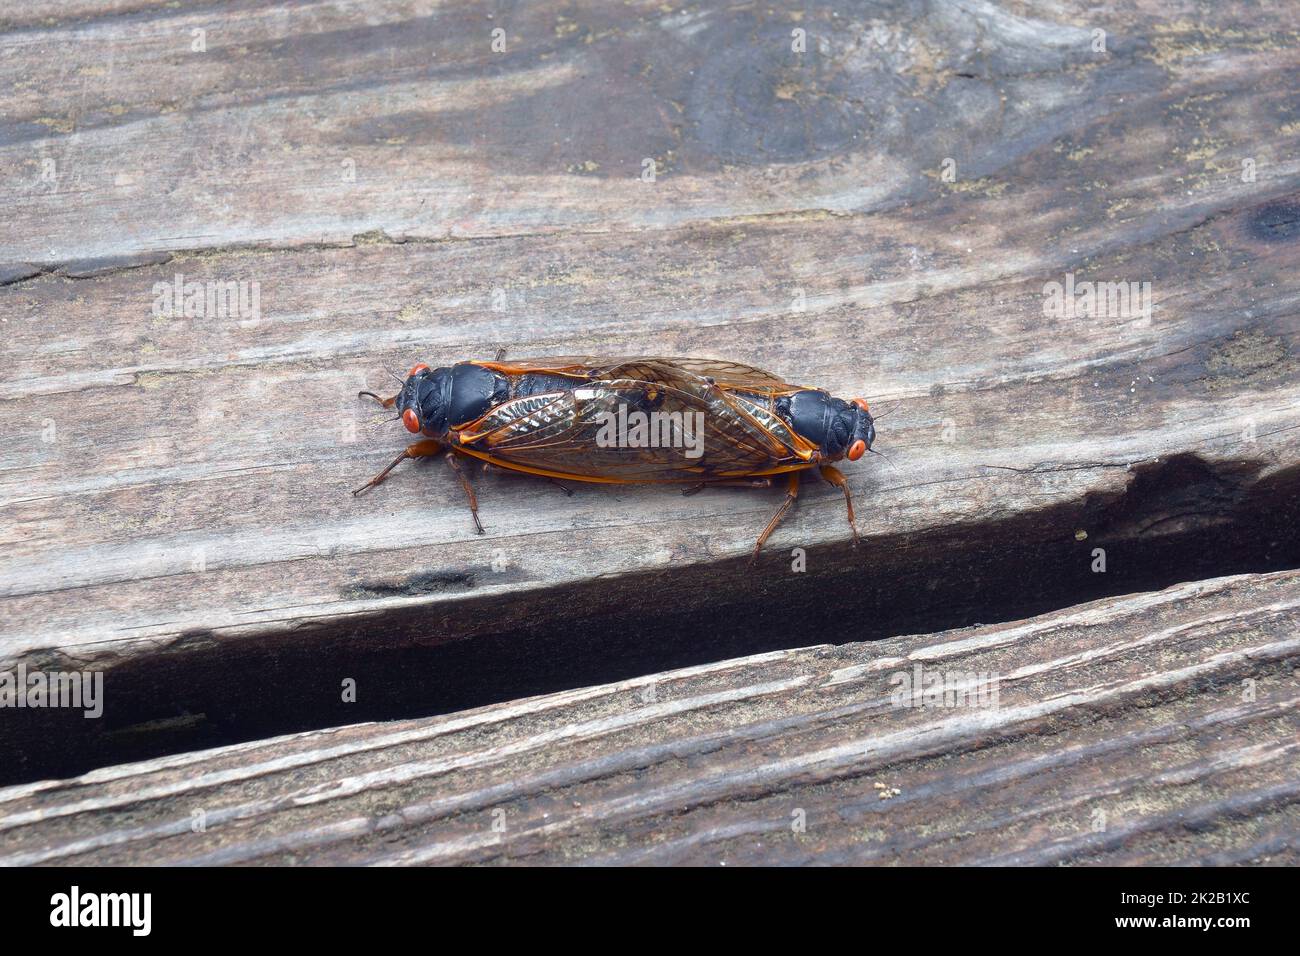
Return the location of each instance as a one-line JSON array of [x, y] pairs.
[[174, 491], [1157, 728]]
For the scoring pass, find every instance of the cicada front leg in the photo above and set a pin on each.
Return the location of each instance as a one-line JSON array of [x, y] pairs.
[[836, 478], [420, 449]]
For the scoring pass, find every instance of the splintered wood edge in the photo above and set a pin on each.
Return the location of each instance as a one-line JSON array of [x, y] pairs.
[[1154, 728]]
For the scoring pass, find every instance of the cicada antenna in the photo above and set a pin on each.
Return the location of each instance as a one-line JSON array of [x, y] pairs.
[[884, 456]]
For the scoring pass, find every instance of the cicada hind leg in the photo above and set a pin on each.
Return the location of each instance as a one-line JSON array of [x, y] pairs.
[[833, 476], [727, 483], [488, 469], [791, 493], [469, 490]]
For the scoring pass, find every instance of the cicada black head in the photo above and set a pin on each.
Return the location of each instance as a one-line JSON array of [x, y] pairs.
[[862, 432], [435, 400], [841, 429], [423, 400]]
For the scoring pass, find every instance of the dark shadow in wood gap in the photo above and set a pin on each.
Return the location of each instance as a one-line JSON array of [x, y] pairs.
[[1179, 520]]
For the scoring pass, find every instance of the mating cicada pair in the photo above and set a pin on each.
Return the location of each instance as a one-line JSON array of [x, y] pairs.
[[699, 422]]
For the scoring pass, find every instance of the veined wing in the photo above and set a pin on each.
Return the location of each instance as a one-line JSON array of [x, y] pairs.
[[628, 430], [725, 373], [749, 402], [577, 365]]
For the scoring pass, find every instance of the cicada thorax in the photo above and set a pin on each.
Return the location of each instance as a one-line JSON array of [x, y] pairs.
[[484, 398], [820, 417], [434, 401], [809, 418], [474, 389]]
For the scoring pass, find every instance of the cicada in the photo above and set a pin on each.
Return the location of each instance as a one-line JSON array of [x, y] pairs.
[[698, 422]]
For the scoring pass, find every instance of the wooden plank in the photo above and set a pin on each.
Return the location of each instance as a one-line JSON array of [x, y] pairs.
[[1157, 728], [318, 121], [175, 490]]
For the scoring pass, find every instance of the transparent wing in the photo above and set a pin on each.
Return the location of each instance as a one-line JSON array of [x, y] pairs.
[[648, 368], [725, 373], [629, 430]]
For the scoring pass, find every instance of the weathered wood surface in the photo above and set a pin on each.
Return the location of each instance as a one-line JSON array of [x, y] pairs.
[[176, 488], [1157, 728]]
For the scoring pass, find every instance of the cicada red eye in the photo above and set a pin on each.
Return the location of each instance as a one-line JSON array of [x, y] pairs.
[[857, 450], [412, 421], [417, 369], [862, 404]]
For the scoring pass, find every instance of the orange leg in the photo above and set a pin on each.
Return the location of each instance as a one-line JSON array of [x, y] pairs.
[[421, 449], [836, 478], [464, 483], [792, 492]]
